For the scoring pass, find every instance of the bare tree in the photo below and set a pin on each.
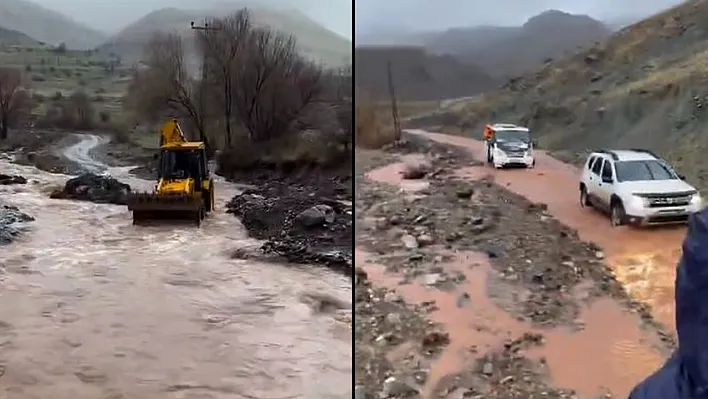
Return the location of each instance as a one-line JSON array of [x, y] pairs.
[[163, 87], [15, 102], [79, 110], [221, 43], [273, 84]]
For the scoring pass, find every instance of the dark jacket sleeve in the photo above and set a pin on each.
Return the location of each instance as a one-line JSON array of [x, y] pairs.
[[665, 383], [685, 374]]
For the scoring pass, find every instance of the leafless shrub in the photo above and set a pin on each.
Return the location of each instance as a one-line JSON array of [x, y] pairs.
[[76, 112], [15, 102]]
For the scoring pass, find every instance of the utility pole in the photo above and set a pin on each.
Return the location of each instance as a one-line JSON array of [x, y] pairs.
[[394, 107], [202, 88]]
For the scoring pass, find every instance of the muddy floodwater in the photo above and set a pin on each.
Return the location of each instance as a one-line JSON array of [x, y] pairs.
[[643, 259], [607, 351], [94, 307]]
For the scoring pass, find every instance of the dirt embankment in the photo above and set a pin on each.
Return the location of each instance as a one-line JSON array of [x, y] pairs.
[[465, 289], [41, 148], [304, 215], [143, 159]]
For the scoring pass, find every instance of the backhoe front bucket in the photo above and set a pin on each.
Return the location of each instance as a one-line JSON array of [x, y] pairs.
[[154, 206]]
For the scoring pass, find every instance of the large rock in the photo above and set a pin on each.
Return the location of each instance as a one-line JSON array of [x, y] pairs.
[[95, 188], [317, 215], [12, 223], [6, 180], [416, 169]]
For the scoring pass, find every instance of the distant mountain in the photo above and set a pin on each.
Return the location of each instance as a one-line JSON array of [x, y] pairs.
[[46, 25], [314, 40], [15, 38], [504, 50], [417, 74], [510, 51]]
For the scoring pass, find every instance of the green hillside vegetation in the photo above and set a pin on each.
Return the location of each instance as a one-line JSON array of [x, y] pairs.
[[53, 75]]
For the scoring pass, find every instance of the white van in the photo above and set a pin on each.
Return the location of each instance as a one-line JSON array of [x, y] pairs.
[[506, 145]]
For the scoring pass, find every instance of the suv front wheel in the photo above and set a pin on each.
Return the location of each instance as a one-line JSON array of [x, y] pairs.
[[584, 201], [617, 215]]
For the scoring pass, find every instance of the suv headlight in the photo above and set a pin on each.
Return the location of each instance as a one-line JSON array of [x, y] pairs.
[[696, 199], [639, 202]]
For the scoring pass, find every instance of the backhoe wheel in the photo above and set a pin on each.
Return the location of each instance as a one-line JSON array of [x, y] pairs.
[[198, 218], [201, 214], [208, 197]]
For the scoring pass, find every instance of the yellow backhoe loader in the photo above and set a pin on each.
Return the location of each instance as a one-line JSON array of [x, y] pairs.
[[184, 189]]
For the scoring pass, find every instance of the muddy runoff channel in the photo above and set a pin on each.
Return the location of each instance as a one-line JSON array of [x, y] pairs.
[[522, 309], [94, 307]]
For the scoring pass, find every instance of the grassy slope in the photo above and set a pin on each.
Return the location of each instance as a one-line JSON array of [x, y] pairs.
[[314, 40], [646, 86], [47, 25], [49, 73]]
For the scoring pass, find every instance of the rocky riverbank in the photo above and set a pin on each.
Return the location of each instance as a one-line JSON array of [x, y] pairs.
[[304, 216]]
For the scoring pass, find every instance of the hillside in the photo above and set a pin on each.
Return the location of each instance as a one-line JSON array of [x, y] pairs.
[[510, 51], [645, 86], [314, 40], [46, 25], [417, 75], [503, 51], [9, 37]]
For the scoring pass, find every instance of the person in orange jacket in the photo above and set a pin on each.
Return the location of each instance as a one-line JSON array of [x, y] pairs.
[[488, 135]]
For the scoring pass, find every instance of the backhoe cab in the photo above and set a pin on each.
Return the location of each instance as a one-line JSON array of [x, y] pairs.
[[184, 188]]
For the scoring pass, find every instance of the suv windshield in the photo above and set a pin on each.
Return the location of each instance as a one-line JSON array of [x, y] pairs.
[[643, 170], [513, 135]]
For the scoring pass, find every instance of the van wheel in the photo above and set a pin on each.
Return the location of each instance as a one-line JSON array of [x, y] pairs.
[[617, 215], [584, 201]]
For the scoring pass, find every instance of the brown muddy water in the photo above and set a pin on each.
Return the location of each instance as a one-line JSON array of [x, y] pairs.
[[643, 259], [610, 353], [94, 307]]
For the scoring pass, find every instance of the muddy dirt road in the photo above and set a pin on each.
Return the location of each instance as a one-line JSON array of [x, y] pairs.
[[94, 307], [475, 291], [644, 260]]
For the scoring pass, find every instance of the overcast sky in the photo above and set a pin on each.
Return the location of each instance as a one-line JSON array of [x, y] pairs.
[[428, 15], [111, 15]]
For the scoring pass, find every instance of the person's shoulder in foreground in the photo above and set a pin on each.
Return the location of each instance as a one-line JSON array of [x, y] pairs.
[[685, 374]]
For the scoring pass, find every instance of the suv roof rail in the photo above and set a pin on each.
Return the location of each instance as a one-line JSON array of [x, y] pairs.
[[645, 151], [608, 152]]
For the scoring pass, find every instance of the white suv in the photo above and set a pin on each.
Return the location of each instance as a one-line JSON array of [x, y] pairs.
[[636, 187]]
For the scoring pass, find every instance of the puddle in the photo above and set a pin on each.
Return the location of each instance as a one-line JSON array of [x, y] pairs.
[[611, 348], [473, 172], [643, 259]]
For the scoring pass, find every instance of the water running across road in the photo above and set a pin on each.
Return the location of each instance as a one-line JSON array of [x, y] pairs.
[[94, 307]]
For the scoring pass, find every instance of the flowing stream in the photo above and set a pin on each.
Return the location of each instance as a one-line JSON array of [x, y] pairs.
[[94, 307]]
